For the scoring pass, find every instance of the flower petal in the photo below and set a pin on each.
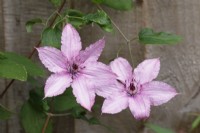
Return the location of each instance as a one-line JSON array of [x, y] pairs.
[[109, 90], [147, 71], [56, 84], [99, 74], [52, 58], [115, 104], [83, 92], [122, 68], [92, 52], [158, 92], [139, 106], [71, 42]]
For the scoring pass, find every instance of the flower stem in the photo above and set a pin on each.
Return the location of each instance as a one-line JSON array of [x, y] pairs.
[[46, 123], [128, 41], [130, 52], [33, 51], [123, 35], [56, 115]]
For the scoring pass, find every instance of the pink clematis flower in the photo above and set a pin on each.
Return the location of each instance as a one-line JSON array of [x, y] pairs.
[[76, 68], [136, 89]]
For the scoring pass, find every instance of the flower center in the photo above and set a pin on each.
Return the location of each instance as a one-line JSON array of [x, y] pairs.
[[131, 89], [74, 69]]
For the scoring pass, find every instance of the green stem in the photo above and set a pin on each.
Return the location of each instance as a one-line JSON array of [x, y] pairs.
[[48, 19], [130, 52], [46, 123], [56, 115], [128, 41]]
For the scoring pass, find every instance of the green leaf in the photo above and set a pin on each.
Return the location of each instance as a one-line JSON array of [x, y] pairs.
[[75, 18], [148, 36], [56, 2], [158, 129], [64, 102], [36, 100], [195, 123], [33, 82], [78, 112], [31, 68], [30, 23], [33, 120], [100, 18], [117, 4], [94, 121], [4, 113], [98, 1], [51, 37], [12, 70], [2, 56]]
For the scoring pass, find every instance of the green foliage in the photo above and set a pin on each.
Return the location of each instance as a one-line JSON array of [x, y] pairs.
[[65, 102], [31, 23], [78, 20], [2, 56], [195, 123], [148, 36], [36, 100], [94, 121], [116, 4], [158, 129], [4, 113], [75, 18], [32, 112], [32, 120], [119, 4], [31, 68], [98, 1], [12, 70], [51, 37], [56, 2], [78, 112], [100, 18]]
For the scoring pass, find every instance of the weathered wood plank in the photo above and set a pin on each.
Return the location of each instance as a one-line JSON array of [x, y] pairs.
[[2, 82], [180, 64], [129, 23], [15, 15]]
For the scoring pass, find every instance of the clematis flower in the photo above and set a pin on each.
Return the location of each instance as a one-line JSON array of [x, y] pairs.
[[76, 68], [136, 89]]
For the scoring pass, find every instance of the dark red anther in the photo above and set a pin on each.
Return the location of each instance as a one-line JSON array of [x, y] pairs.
[[75, 67], [132, 87]]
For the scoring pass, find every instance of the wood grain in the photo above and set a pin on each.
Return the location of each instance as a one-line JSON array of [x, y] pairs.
[[2, 82], [180, 64], [130, 24], [14, 14]]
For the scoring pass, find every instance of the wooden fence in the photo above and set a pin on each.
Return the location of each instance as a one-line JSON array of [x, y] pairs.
[[180, 64]]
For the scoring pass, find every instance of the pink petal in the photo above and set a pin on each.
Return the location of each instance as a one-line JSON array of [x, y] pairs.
[[83, 92], [92, 52], [52, 58], [122, 68], [115, 104], [99, 74], [139, 106], [71, 42], [158, 92], [109, 90], [56, 84], [147, 71]]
